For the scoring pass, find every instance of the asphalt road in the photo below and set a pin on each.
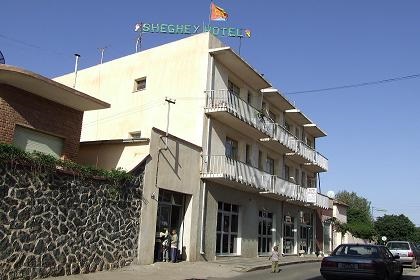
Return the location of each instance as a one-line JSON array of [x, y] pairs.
[[306, 271]]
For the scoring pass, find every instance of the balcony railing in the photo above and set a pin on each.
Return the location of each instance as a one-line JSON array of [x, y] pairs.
[[223, 167], [224, 100]]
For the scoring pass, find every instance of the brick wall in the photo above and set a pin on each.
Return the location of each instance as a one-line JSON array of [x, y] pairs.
[[21, 107]]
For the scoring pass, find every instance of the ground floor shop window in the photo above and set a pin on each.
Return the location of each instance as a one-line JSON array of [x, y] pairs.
[[305, 233], [265, 235], [288, 235], [227, 228]]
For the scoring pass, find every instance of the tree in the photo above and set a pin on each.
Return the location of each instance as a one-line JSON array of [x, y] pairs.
[[395, 227], [359, 219]]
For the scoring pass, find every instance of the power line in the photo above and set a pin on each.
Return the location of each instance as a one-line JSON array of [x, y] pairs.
[[29, 45], [390, 80]]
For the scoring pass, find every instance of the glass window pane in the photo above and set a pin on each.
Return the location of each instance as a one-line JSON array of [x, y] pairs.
[[219, 221], [264, 227], [219, 205], [260, 227], [218, 237], [226, 207], [233, 242], [235, 208], [226, 223], [259, 244], [234, 226], [225, 245], [269, 244], [264, 243]]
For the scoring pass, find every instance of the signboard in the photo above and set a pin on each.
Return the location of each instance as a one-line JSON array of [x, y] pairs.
[[193, 29], [311, 195]]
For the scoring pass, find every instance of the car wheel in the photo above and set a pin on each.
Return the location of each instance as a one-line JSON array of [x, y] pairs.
[[414, 264]]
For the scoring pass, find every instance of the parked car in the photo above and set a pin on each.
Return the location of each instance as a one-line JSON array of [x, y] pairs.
[[361, 261], [407, 251]]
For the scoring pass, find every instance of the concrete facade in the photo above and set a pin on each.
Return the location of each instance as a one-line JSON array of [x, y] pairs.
[[249, 164]]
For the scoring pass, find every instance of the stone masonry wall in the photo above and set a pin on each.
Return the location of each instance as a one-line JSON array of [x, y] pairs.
[[53, 223]]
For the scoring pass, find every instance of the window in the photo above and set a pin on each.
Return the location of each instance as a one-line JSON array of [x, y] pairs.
[[265, 233], [304, 179], [135, 134], [297, 176], [249, 98], [231, 148], [269, 165], [260, 160], [286, 172], [288, 234], [233, 88], [287, 126], [227, 228], [140, 84], [248, 154], [273, 116], [31, 140]]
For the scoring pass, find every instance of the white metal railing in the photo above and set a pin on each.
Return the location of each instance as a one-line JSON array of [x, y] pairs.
[[306, 151], [323, 201], [225, 100], [321, 161], [222, 166], [280, 186]]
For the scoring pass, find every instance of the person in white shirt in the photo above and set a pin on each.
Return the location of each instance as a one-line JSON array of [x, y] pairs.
[[274, 257]]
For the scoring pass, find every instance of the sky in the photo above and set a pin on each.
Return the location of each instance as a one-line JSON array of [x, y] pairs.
[[373, 142]]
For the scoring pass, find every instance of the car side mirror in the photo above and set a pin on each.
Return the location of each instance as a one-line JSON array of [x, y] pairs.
[[396, 257]]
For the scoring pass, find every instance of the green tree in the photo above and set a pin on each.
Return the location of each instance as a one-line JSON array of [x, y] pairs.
[[395, 227], [359, 219]]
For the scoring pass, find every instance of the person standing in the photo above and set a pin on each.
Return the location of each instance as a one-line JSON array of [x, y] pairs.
[[166, 245], [274, 257], [174, 246]]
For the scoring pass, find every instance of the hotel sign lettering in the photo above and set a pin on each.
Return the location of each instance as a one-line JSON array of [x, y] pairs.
[[192, 29]]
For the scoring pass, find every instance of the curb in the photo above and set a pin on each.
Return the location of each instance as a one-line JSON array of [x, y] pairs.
[[280, 264]]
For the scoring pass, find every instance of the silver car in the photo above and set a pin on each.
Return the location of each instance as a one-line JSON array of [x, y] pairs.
[[407, 251]]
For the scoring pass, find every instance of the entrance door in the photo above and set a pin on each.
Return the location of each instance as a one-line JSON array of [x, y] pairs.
[[265, 235], [170, 215]]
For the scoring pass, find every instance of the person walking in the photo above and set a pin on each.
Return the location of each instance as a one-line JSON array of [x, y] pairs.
[[174, 246], [274, 257]]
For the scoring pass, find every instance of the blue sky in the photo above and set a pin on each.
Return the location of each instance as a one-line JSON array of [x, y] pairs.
[[373, 142]]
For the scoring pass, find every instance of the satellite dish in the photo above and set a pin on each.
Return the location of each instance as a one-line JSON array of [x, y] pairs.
[[331, 194], [2, 60]]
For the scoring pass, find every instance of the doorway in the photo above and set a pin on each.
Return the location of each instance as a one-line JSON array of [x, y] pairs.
[[170, 215]]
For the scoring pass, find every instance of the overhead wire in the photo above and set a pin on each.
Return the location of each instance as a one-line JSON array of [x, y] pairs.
[[390, 80]]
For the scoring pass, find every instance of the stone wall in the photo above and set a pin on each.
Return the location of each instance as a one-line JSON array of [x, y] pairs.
[[54, 223]]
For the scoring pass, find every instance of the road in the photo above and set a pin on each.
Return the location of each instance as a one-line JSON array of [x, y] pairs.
[[307, 271]]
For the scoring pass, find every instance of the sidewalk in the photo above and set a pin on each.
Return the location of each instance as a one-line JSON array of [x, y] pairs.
[[221, 268]]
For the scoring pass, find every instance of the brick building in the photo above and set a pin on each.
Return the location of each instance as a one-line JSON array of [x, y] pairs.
[[40, 114]]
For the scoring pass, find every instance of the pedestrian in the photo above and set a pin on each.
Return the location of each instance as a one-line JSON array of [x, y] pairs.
[[174, 246], [274, 257], [166, 245]]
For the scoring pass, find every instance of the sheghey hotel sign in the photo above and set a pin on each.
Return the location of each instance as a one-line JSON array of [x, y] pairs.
[[193, 29]]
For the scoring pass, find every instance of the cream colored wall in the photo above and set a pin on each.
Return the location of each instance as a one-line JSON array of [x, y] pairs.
[[178, 169], [177, 70], [108, 156]]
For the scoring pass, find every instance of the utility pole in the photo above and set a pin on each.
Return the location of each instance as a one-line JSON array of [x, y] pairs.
[[170, 101]]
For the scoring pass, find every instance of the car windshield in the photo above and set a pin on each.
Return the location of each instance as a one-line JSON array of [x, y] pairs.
[[398, 246], [357, 250]]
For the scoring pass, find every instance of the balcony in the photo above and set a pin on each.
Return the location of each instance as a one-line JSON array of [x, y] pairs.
[[230, 109], [235, 112], [309, 157], [239, 175]]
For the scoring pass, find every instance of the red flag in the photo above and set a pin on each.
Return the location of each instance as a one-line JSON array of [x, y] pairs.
[[217, 13]]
